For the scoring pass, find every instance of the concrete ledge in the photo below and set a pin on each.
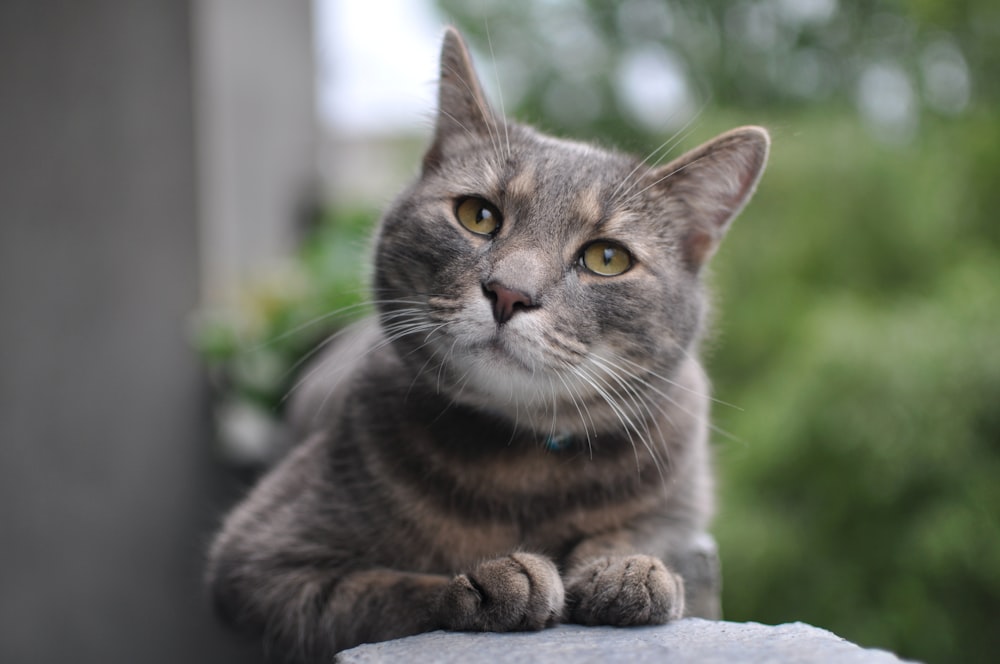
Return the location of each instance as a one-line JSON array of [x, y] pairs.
[[688, 641]]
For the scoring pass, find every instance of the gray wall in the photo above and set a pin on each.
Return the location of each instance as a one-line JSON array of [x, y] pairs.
[[108, 487]]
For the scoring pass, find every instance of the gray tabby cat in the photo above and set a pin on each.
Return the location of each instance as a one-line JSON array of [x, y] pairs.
[[518, 437]]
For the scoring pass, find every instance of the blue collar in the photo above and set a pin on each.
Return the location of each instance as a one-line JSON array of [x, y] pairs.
[[558, 441]]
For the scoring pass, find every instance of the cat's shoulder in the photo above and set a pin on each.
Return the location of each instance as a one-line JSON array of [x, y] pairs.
[[326, 378]]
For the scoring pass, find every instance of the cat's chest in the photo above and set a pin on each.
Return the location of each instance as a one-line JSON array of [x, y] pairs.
[[463, 510], [461, 486], [452, 541]]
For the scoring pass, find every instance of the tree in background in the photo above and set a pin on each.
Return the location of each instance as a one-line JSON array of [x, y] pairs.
[[858, 326], [586, 65]]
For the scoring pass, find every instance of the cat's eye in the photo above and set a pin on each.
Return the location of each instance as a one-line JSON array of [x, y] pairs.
[[606, 258], [478, 216]]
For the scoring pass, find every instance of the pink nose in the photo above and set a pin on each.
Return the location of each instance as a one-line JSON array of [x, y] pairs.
[[506, 301]]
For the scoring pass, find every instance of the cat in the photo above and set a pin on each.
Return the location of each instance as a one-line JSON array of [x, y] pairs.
[[518, 436]]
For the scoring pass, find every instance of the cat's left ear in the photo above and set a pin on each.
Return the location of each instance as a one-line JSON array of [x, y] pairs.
[[712, 184], [463, 110]]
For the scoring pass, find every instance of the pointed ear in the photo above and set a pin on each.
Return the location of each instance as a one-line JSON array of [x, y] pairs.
[[462, 106], [712, 183]]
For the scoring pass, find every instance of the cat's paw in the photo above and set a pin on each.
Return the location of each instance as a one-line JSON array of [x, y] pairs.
[[624, 590], [522, 591]]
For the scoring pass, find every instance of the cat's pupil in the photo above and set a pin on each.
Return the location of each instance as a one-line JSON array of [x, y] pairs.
[[609, 254]]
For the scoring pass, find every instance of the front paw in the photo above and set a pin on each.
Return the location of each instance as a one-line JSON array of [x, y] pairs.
[[522, 591], [624, 590]]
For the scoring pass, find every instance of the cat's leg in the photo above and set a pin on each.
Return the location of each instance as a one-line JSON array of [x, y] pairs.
[[521, 591], [609, 583], [382, 604], [309, 613]]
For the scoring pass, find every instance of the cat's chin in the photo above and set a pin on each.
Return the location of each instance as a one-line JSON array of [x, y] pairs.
[[503, 353], [496, 373], [529, 392], [496, 369]]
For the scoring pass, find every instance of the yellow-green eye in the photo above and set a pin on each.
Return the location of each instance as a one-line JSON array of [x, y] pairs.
[[606, 258], [478, 216]]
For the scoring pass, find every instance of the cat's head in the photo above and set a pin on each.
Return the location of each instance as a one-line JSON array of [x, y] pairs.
[[536, 276]]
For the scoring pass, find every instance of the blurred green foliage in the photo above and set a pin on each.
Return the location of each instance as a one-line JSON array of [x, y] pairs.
[[253, 350], [858, 333], [857, 326]]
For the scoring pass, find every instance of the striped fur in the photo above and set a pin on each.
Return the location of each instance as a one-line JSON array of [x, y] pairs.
[[461, 471]]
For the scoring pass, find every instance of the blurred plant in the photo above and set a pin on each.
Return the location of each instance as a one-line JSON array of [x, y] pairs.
[[583, 65], [859, 298], [254, 349]]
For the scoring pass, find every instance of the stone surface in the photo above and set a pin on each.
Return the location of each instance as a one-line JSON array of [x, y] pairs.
[[688, 641]]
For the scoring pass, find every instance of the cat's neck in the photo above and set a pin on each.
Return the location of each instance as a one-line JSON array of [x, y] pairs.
[[654, 410]]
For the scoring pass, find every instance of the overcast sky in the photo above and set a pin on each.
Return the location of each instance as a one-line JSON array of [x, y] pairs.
[[377, 63]]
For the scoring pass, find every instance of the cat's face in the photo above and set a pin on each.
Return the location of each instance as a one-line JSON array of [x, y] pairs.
[[536, 277]]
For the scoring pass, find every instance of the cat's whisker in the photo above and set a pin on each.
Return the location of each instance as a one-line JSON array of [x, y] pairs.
[[415, 305], [661, 153], [395, 332], [413, 329], [444, 362], [517, 420], [458, 122], [416, 319], [635, 376], [649, 405], [496, 73], [683, 387], [679, 136], [678, 385], [420, 372], [666, 177], [306, 357], [573, 395], [666, 147], [636, 406], [711, 425], [460, 386], [343, 311], [554, 402], [489, 119], [320, 366], [623, 418], [665, 396]]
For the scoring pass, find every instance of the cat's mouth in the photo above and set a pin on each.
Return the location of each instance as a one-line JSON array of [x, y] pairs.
[[502, 347], [480, 347]]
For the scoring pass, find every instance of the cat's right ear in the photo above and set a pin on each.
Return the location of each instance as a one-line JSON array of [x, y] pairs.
[[462, 106]]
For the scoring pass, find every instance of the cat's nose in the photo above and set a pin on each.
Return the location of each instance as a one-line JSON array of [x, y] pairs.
[[506, 301]]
